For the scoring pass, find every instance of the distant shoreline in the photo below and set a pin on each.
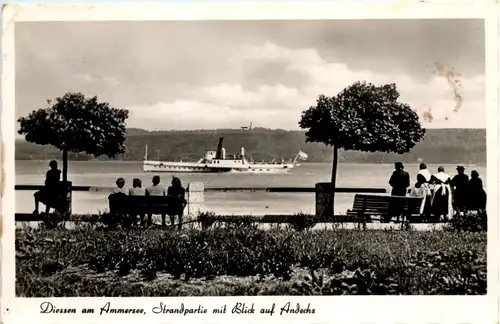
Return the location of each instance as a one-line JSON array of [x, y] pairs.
[[302, 162], [461, 146]]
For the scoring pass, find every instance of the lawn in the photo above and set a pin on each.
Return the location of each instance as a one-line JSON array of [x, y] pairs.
[[245, 260]]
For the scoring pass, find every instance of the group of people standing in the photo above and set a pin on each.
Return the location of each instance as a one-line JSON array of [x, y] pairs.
[[442, 195], [156, 189]]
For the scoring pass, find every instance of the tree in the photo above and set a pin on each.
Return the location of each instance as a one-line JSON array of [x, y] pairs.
[[73, 123], [362, 117]]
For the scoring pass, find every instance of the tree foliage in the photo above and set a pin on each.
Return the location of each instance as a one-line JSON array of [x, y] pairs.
[[77, 124], [363, 117]]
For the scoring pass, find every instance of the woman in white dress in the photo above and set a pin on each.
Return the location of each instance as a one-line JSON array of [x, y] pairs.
[[441, 198], [422, 190]]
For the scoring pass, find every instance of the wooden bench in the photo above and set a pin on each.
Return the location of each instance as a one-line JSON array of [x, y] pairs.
[[365, 207], [141, 205]]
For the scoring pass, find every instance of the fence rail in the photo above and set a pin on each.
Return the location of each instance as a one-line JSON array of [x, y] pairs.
[[195, 197], [265, 219], [225, 189]]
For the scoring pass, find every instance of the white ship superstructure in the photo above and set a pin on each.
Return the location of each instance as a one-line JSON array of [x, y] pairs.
[[217, 161]]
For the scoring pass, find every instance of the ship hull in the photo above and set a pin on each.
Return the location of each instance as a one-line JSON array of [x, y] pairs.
[[187, 167]]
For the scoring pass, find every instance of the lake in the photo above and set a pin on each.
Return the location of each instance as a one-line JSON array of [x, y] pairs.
[[105, 173]]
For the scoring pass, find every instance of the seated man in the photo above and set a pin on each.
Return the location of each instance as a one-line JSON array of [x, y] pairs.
[[49, 195]]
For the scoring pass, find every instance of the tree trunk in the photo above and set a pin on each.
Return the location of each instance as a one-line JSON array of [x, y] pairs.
[[65, 165], [331, 201]]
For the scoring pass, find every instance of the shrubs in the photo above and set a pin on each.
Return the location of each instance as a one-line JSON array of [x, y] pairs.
[[252, 261], [302, 222], [471, 221], [299, 222]]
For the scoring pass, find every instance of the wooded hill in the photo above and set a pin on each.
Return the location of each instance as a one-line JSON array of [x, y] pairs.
[[466, 146]]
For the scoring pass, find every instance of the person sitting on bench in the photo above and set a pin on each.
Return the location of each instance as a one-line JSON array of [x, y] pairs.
[[117, 197], [156, 190], [176, 190], [120, 187], [49, 195], [138, 190]]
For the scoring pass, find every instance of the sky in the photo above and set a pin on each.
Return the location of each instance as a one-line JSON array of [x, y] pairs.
[[226, 74]]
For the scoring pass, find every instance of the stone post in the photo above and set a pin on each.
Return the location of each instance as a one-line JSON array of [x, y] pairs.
[[195, 199], [322, 196], [64, 200]]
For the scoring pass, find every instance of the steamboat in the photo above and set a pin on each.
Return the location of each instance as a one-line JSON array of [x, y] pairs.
[[217, 161]]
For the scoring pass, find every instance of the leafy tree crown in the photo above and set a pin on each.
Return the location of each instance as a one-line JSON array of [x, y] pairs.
[[77, 124], [363, 117]]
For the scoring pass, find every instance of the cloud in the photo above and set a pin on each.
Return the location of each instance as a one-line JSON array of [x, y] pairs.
[[236, 96], [277, 105], [88, 78], [227, 72], [197, 115], [84, 77]]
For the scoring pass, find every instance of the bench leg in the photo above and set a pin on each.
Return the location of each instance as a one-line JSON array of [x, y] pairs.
[[180, 222]]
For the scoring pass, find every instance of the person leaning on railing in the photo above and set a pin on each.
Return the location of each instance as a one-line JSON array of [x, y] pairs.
[[178, 201]]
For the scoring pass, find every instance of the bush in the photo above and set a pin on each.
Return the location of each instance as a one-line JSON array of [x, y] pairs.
[[52, 220], [301, 222], [242, 260], [469, 222]]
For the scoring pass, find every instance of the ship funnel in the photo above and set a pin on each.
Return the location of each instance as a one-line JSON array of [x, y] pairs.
[[242, 152], [223, 153], [218, 154]]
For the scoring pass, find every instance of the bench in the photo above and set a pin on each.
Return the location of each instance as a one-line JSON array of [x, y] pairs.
[[367, 206], [142, 205]]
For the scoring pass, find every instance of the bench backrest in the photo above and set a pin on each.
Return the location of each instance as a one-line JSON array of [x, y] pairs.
[[382, 204], [123, 203]]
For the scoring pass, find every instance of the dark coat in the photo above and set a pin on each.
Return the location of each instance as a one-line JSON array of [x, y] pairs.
[[460, 184], [400, 181], [476, 195], [179, 194]]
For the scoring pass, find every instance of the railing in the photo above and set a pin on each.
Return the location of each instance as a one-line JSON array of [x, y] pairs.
[[225, 189], [195, 198]]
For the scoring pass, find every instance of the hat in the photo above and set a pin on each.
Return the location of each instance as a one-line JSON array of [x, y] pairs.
[[460, 168]]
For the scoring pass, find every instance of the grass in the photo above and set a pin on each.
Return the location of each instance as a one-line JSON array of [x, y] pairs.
[[244, 260]]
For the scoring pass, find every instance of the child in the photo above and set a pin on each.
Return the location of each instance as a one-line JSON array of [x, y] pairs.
[[120, 187]]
